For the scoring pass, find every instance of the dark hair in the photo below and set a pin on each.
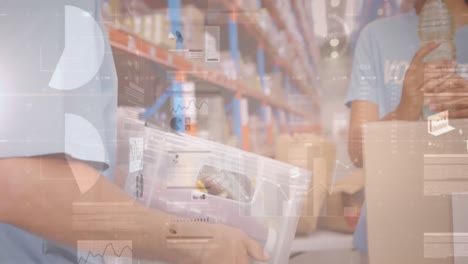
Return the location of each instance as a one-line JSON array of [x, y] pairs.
[[466, 1]]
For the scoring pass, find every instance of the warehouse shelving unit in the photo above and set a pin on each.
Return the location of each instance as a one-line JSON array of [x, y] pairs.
[[270, 107], [131, 44], [275, 13], [259, 35], [299, 7]]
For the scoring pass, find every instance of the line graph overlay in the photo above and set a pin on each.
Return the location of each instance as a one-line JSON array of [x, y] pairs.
[[91, 250], [339, 165], [180, 109], [323, 187], [330, 186]]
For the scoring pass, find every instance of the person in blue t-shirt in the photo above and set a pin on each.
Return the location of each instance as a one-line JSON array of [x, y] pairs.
[[58, 107], [388, 80]]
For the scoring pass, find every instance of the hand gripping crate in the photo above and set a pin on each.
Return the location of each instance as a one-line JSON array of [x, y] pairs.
[[203, 181]]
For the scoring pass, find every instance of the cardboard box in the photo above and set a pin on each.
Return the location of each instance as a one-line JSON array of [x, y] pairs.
[[317, 155], [257, 132], [154, 28], [275, 86], [249, 76], [115, 9], [343, 204], [412, 175], [193, 28]]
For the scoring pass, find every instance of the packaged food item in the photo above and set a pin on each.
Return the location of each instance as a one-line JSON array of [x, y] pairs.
[[198, 180]]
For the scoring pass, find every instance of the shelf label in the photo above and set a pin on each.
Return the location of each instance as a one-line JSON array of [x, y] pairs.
[[212, 44]]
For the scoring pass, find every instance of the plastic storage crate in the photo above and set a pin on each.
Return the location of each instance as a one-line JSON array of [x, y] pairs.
[[202, 181]]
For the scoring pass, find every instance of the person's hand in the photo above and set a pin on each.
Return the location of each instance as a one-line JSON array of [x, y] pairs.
[[235, 247], [452, 97], [5, 193], [227, 245], [421, 77]]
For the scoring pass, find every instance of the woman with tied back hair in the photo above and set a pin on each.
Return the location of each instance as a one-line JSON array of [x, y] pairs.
[[388, 82]]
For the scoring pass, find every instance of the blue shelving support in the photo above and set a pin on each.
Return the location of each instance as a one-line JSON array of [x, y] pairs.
[[174, 7], [234, 41], [261, 66], [276, 113], [157, 105], [287, 86], [234, 50], [174, 11], [174, 16], [228, 107], [177, 109], [276, 69], [236, 103]]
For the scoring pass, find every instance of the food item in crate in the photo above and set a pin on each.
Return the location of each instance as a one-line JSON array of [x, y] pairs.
[[225, 183]]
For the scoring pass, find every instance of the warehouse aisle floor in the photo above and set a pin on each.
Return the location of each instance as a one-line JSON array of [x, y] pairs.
[[327, 257]]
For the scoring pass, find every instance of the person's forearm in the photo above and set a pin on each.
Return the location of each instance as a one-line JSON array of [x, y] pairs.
[[45, 197]]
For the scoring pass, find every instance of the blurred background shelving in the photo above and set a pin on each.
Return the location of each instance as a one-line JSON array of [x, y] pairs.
[[281, 67], [263, 78]]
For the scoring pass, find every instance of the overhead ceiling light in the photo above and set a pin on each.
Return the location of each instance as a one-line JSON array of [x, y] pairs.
[[334, 54], [335, 3], [334, 42]]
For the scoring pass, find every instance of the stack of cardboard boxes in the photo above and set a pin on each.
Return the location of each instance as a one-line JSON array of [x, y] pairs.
[[257, 132], [193, 28], [317, 155], [343, 205], [328, 205], [275, 87]]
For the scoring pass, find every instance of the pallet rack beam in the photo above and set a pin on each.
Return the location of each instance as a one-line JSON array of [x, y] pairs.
[[257, 33], [275, 13], [174, 11], [131, 44], [285, 113], [237, 104]]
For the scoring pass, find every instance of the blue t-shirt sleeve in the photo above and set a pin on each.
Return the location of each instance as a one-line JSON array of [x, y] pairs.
[[364, 85], [40, 118]]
